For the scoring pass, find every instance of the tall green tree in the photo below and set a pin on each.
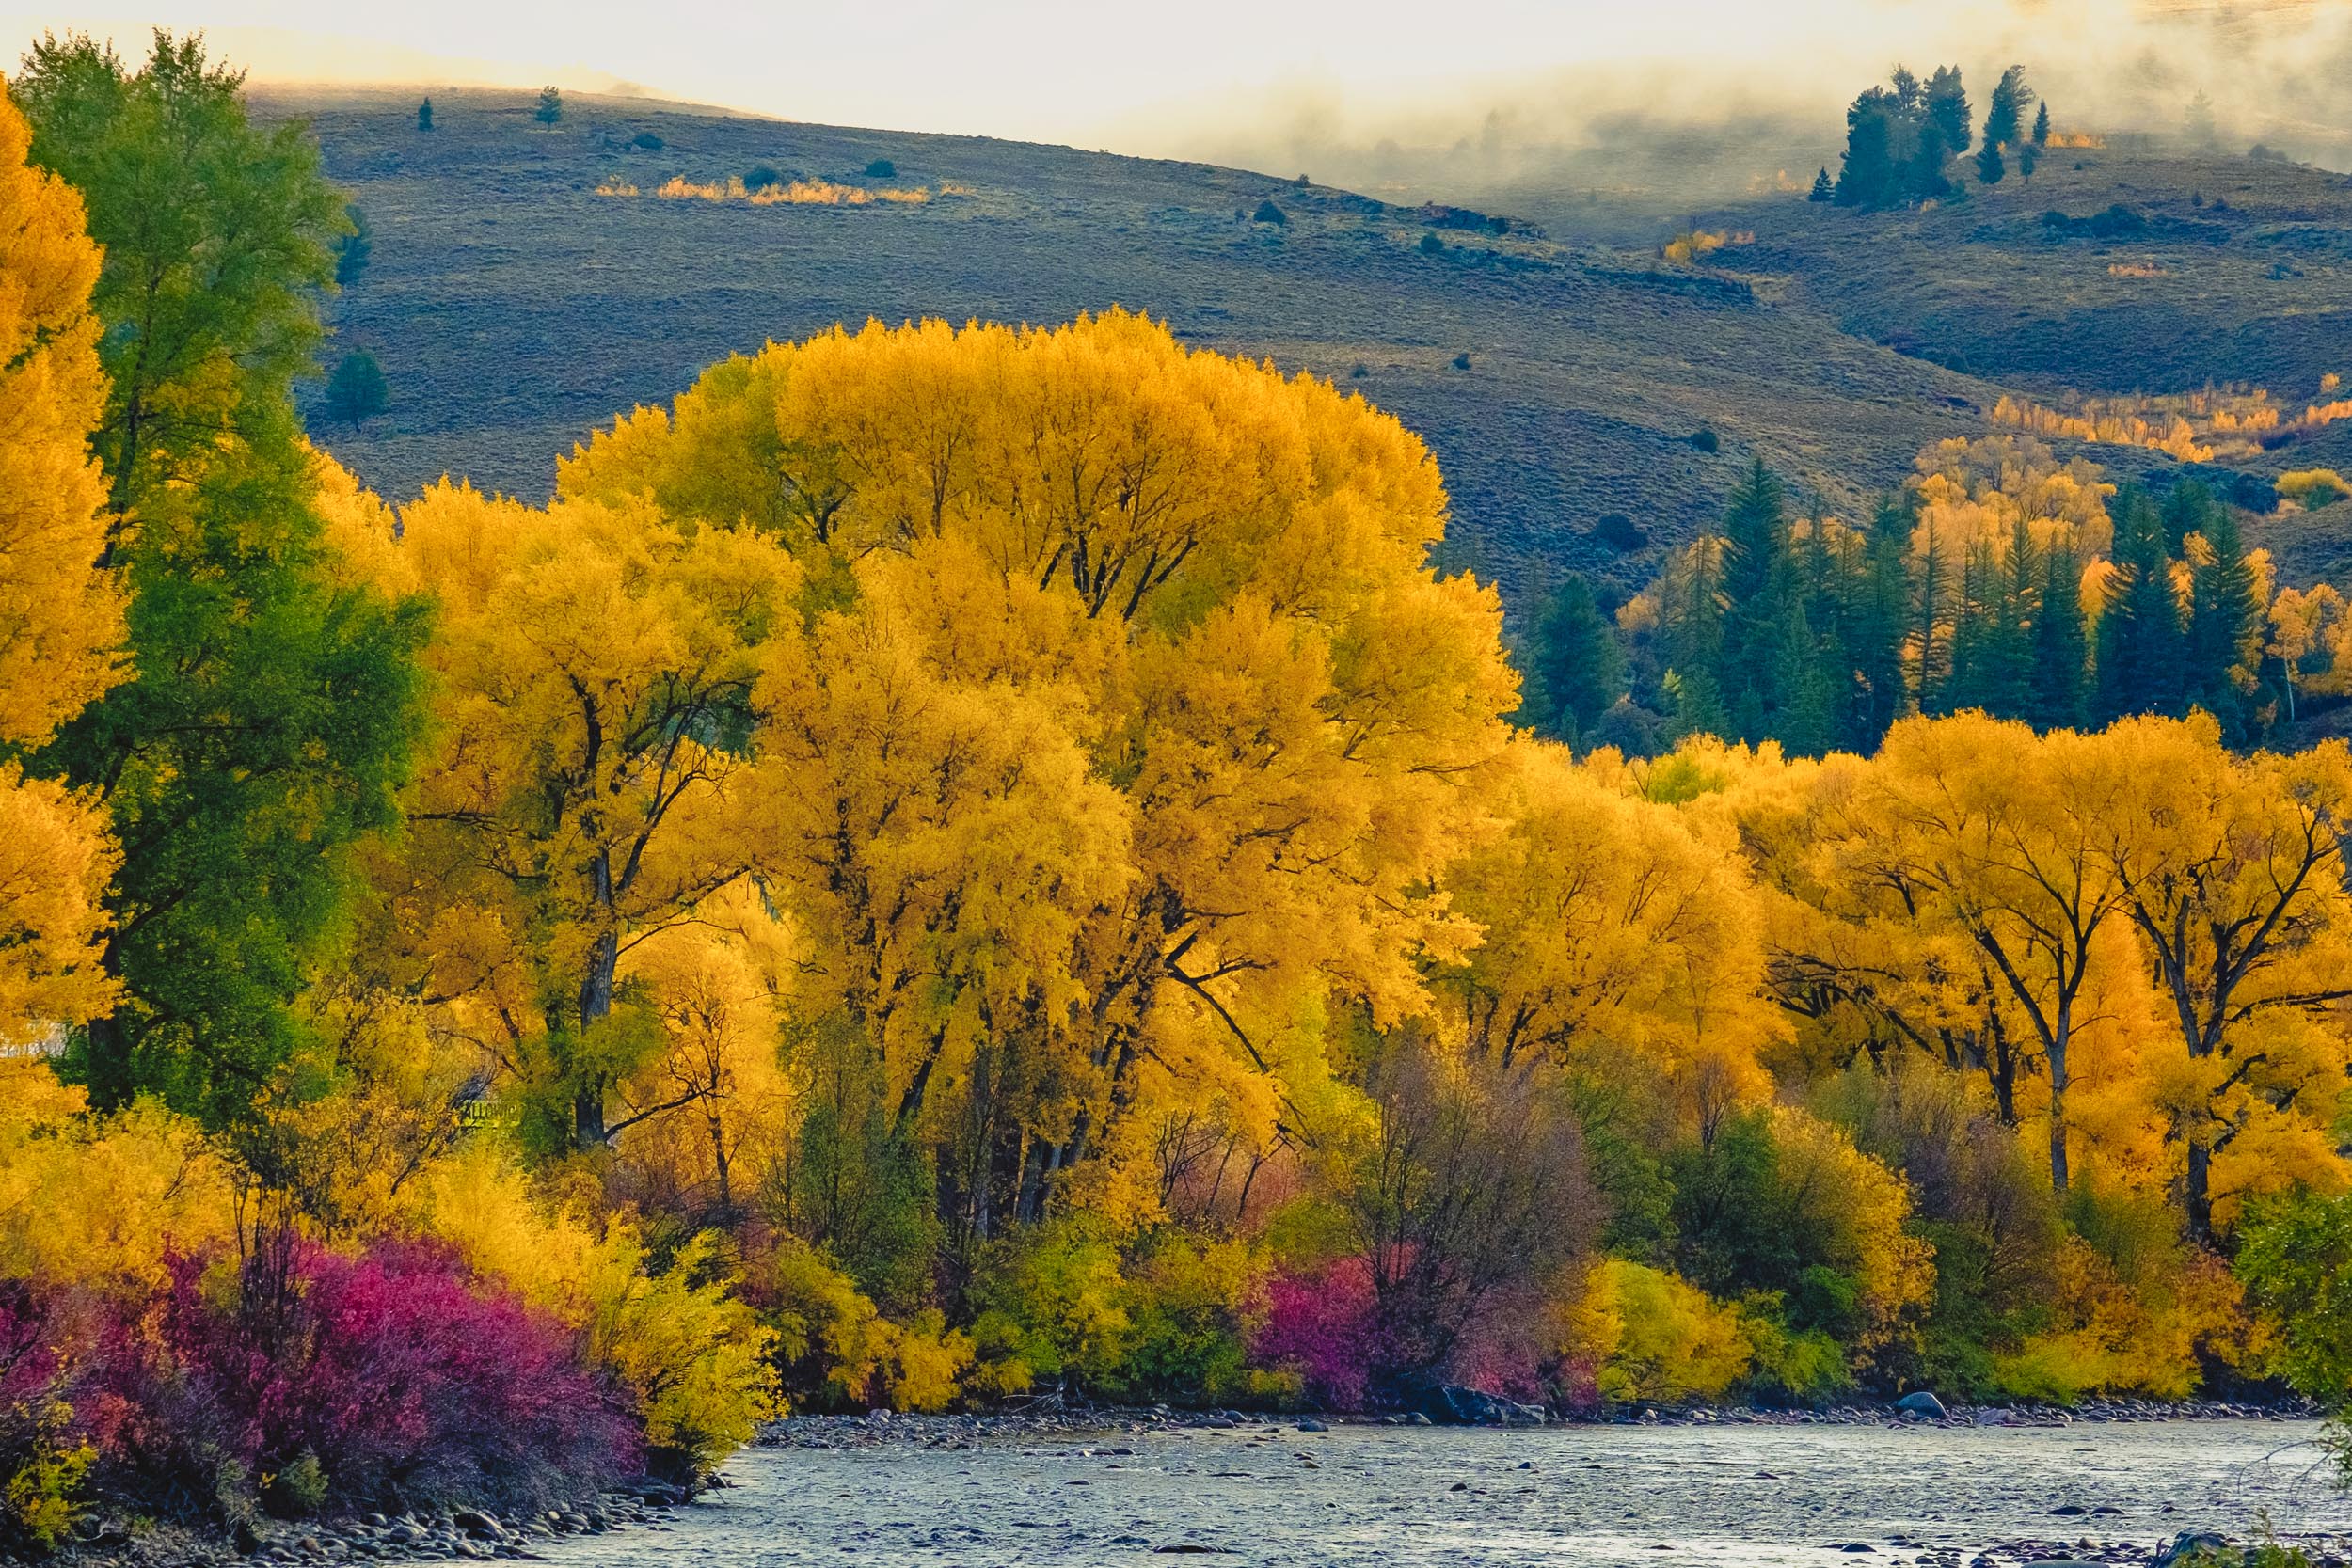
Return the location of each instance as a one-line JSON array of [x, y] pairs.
[[2061, 642], [2225, 624], [271, 717], [2005, 116], [1881, 620], [2139, 624], [1760, 617], [1947, 108], [1575, 668]]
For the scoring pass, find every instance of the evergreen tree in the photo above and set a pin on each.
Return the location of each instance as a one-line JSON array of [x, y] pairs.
[[1575, 669], [1947, 108], [357, 390], [1752, 668], [1823, 189], [2139, 625], [2190, 508], [2041, 126], [2003, 117], [425, 115], [2225, 624], [2028, 159], [271, 717], [1879, 145], [1930, 631], [2061, 642], [1881, 617], [354, 249], [550, 107], [1990, 168]]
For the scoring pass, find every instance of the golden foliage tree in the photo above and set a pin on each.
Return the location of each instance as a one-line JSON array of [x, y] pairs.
[[60, 616], [1130, 710]]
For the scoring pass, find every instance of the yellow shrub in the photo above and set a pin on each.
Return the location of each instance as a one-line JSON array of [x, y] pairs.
[[694, 1356], [1650, 1335], [2314, 488], [2111, 1336], [99, 1200], [853, 1354]]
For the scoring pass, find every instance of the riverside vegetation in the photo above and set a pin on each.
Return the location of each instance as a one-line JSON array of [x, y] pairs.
[[953, 862]]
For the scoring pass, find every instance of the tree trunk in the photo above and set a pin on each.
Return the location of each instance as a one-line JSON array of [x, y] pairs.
[[595, 1004], [2197, 1192], [2057, 1103]]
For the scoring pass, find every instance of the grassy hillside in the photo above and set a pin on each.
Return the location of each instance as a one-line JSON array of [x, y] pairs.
[[1560, 373], [513, 309]]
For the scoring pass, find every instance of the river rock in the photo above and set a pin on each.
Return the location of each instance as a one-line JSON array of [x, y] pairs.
[[1921, 1402], [2185, 1544]]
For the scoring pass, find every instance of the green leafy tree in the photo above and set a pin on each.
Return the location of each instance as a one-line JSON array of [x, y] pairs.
[[550, 107], [357, 390], [270, 721], [2028, 159]]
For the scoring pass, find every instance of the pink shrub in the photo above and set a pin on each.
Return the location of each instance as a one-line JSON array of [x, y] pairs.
[[401, 1377], [1322, 1325]]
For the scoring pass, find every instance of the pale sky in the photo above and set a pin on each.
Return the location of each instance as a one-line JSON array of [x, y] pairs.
[[1108, 72]]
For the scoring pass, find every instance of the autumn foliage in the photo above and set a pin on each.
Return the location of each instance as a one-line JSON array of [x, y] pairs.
[[955, 862]]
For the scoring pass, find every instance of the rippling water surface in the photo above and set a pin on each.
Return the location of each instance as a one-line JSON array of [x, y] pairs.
[[1364, 1495]]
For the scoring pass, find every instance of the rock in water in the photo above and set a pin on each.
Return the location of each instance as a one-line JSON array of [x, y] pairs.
[[2187, 1544], [1921, 1402]]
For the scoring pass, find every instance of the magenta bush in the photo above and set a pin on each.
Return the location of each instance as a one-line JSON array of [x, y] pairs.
[[1321, 1324], [401, 1377]]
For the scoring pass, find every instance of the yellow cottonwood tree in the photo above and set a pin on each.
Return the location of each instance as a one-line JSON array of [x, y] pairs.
[[60, 616], [1980, 827], [2231, 870], [597, 668], [1611, 923], [1205, 584]]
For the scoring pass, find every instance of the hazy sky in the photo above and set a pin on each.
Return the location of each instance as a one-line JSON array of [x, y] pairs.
[[1137, 77]]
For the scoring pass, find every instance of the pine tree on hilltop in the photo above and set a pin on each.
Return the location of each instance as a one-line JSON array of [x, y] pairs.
[[1823, 189], [1990, 168], [1947, 108], [425, 115], [2005, 117], [550, 107]]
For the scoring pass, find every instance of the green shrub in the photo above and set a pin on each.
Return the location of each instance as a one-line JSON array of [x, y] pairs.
[[882, 168], [1431, 243], [760, 177]]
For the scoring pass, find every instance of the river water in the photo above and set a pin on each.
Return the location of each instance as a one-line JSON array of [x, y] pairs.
[[1663, 1496]]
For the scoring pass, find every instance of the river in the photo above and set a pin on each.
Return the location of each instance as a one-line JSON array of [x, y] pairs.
[[1668, 1496]]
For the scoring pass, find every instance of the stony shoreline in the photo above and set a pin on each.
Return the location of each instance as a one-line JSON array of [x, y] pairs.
[[1053, 1420], [424, 1535]]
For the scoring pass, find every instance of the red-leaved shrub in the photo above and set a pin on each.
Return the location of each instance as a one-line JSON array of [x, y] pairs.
[[1322, 1325], [401, 1379]]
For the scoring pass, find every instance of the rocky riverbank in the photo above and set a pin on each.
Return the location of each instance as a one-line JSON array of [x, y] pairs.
[[1050, 1421], [440, 1535]]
